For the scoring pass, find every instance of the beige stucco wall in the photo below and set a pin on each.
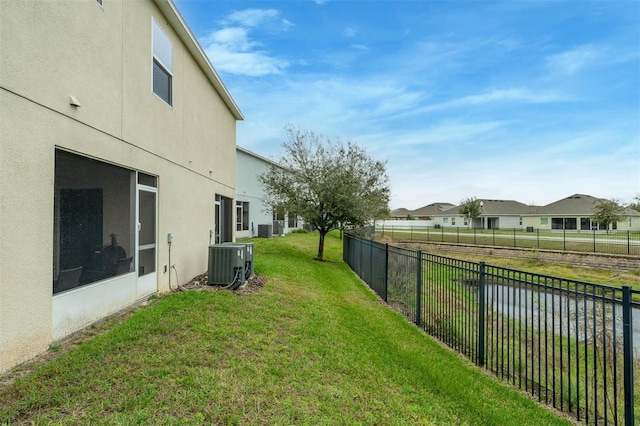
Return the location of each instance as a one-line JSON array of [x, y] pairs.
[[102, 56]]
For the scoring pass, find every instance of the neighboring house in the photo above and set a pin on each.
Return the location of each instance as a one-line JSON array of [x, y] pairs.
[[574, 213], [251, 213], [422, 213], [430, 210], [117, 162], [399, 214], [495, 214]]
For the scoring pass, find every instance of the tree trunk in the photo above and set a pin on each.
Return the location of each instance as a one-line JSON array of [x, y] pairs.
[[321, 245]]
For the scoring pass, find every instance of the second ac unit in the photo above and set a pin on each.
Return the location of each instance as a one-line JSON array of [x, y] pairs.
[[248, 259]]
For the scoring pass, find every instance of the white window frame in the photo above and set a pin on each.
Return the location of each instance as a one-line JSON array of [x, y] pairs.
[[165, 63], [242, 207]]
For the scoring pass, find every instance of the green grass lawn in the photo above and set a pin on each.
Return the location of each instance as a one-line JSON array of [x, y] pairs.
[[313, 347]]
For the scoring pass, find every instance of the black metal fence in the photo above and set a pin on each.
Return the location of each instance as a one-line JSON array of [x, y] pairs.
[[568, 343], [613, 242]]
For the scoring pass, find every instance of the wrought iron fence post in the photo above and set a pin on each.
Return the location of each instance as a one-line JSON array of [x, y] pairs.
[[627, 322], [371, 269], [386, 271], [514, 238], [419, 290], [594, 240], [628, 242], [481, 319]]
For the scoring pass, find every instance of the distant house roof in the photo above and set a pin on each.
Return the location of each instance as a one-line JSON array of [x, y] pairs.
[[432, 209], [401, 212], [574, 205], [496, 208]]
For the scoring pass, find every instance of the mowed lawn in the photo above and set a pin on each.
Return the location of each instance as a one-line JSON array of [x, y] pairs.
[[314, 346]]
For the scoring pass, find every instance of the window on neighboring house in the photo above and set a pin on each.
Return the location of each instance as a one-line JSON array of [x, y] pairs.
[[585, 224], [162, 64], [466, 222], [292, 220], [242, 216], [278, 213], [453, 221], [520, 220], [544, 221], [445, 220]]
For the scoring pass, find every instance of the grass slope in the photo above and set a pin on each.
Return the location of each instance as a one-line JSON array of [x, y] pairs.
[[313, 347]]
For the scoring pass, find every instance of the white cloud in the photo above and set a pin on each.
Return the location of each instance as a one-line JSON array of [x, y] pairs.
[[508, 95], [234, 38], [256, 17], [572, 61], [492, 96], [359, 46], [231, 49], [349, 32]]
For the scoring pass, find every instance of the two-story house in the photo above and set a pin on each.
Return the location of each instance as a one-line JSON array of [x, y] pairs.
[[117, 163]]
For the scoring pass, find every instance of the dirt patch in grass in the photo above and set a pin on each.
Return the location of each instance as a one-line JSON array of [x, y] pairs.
[[251, 286]]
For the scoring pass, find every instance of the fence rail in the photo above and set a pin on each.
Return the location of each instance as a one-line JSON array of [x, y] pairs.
[[612, 242], [568, 343]]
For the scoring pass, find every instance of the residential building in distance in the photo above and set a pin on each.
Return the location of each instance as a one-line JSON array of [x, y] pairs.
[[117, 163], [494, 214], [253, 217], [572, 213]]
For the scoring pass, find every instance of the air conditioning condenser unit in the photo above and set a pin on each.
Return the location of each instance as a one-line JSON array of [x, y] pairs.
[[227, 263], [248, 258]]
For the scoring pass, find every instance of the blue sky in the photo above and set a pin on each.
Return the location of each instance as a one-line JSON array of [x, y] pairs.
[[526, 100]]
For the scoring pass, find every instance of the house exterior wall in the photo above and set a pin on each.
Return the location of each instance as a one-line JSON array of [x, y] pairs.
[[544, 222], [102, 56], [249, 189], [510, 222]]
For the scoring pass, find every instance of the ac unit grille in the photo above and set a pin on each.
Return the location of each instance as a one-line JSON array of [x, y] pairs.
[[248, 265], [226, 264]]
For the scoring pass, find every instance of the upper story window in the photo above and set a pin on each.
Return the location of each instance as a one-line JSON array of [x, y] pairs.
[[162, 64]]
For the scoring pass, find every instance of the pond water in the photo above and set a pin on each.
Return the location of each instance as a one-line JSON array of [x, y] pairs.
[[577, 317]]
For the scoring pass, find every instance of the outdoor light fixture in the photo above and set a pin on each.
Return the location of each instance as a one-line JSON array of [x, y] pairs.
[[73, 101]]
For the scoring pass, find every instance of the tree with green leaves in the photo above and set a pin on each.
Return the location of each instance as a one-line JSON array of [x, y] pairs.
[[470, 208], [606, 212], [328, 183], [636, 203]]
